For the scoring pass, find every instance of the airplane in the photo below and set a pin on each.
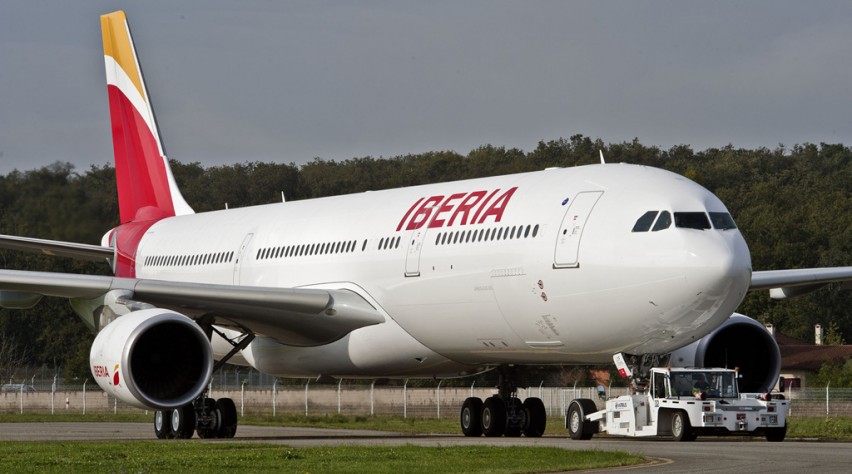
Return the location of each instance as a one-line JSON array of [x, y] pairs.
[[559, 266]]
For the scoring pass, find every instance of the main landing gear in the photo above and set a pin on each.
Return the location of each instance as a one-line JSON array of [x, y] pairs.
[[208, 417], [503, 414]]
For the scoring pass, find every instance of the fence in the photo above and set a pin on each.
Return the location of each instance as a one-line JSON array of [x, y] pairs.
[[264, 396], [825, 401]]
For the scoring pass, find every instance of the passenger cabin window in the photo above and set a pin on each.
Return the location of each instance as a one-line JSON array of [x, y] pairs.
[[722, 221], [691, 220], [644, 222]]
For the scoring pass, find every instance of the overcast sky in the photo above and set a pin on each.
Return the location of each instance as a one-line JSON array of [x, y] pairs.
[[237, 81]]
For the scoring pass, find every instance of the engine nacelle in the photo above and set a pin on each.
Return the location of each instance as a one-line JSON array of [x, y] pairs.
[[153, 358], [739, 342]]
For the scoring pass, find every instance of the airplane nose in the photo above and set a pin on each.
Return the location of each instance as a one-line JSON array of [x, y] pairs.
[[720, 263]]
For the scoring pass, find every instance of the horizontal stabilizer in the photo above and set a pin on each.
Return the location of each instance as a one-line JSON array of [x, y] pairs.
[[56, 248]]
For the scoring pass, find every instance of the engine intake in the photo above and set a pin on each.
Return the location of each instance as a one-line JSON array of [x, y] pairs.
[[739, 342], [153, 358]]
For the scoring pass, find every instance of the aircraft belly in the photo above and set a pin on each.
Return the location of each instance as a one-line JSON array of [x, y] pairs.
[[384, 350], [457, 317]]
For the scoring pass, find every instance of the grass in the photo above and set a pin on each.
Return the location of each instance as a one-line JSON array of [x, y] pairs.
[[821, 428], [138, 417], [799, 427], [175, 456], [396, 424]]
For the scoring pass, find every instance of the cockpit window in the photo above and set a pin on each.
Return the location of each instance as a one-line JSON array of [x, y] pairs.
[[691, 220], [664, 222], [644, 222], [722, 221]]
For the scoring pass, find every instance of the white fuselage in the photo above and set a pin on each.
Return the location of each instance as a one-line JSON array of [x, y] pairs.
[[538, 268]]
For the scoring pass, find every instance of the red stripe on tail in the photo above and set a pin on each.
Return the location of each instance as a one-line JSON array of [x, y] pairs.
[[140, 171]]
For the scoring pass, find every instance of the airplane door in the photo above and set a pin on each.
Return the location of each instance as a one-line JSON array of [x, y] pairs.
[[412, 257], [239, 258], [571, 230]]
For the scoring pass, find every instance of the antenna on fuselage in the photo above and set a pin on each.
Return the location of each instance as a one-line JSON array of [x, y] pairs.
[[602, 158], [283, 199]]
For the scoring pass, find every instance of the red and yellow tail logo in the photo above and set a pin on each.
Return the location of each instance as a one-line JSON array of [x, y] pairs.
[[142, 171]]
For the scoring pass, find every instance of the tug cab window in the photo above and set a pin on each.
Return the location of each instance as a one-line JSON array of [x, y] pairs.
[[691, 220]]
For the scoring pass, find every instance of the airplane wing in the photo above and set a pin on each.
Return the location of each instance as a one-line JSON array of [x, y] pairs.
[[94, 253], [788, 283], [295, 316]]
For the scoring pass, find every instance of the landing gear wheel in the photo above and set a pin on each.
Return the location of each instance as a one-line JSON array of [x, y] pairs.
[[681, 429], [183, 421], [494, 417], [162, 424], [211, 428], [515, 418], [776, 435], [228, 413], [471, 416], [575, 420], [536, 418]]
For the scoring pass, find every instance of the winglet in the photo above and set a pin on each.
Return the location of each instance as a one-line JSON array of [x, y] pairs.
[[143, 175]]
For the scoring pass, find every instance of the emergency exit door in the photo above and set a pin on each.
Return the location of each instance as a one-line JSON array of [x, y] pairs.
[[567, 254]]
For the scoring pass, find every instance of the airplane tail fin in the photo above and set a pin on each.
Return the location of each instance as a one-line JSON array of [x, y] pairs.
[[143, 175]]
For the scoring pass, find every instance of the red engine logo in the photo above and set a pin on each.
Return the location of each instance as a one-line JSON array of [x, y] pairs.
[[100, 371]]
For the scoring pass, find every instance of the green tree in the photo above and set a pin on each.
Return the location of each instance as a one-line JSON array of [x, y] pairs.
[[837, 373]]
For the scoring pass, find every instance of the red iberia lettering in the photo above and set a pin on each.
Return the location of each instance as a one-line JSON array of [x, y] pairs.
[[422, 215], [481, 207], [100, 371], [446, 206], [460, 208], [464, 207], [498, 207], [407, 213]]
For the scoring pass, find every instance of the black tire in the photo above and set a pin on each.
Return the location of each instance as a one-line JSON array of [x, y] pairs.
[[471, 417], [776, 435], [536, 417], [228, 413], [681, 428], [514, 424], [493, 417], [183, 421], [575, 419], [163, 424], [211, 429]]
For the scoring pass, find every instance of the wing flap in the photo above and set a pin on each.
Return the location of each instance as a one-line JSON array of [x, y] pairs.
[[294, 316]]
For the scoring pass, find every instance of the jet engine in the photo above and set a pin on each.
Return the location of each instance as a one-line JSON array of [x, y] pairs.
[[152, 358], [739, 342]]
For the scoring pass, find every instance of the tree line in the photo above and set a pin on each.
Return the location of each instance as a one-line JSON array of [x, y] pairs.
[[793, 205]]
